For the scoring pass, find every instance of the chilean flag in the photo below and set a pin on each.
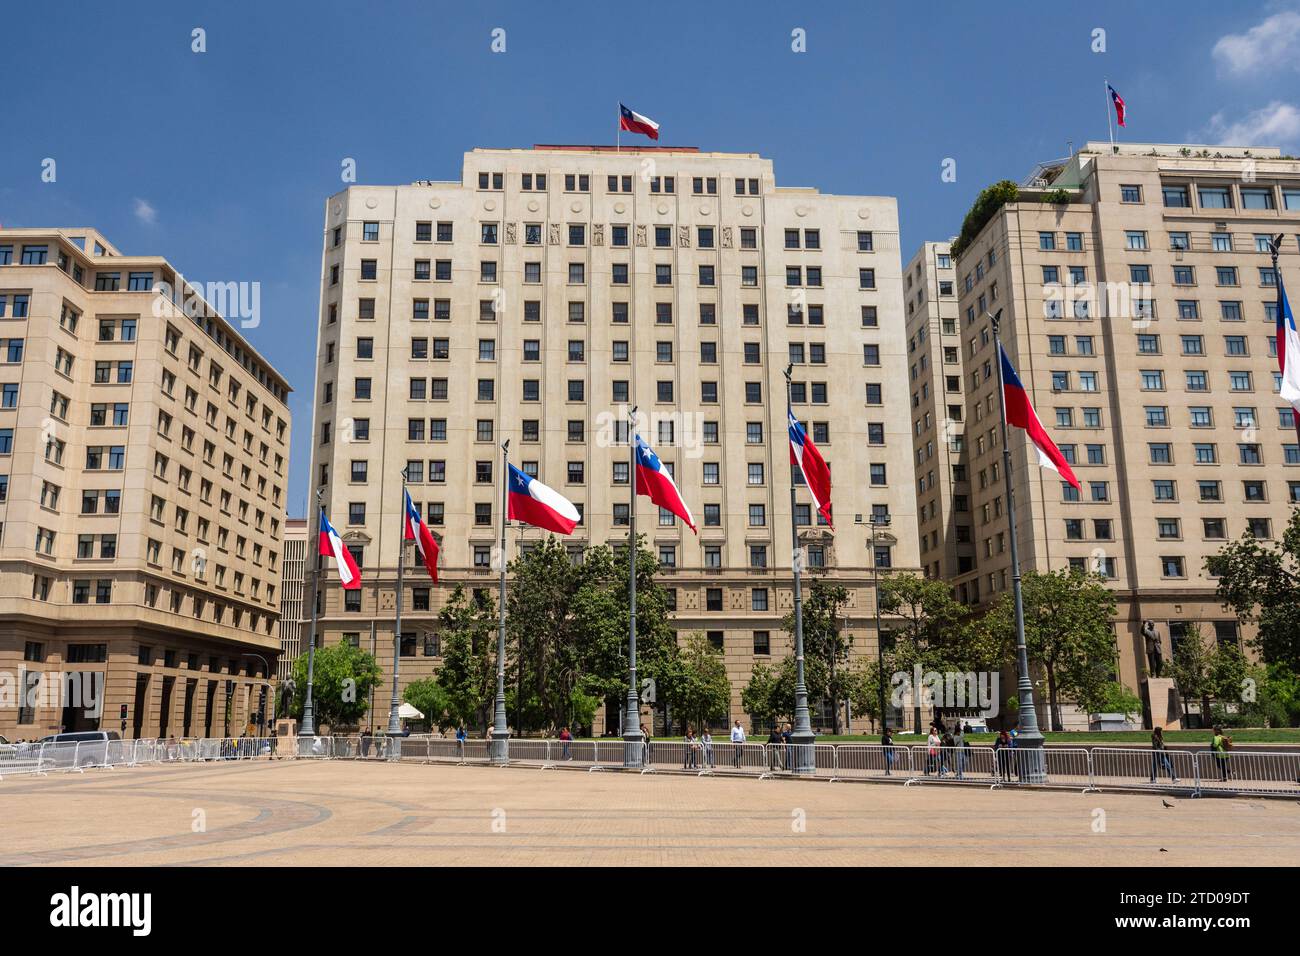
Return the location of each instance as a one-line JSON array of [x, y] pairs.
[[654, 482], [1020, 412], [636, 123], [413, 529], [816, 475], [1119, 104], [1288, 352], [331, 546], [533, 503]]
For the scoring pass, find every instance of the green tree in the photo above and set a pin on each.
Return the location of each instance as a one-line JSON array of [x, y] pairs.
[[342, 678], [987, 203], [542, 660], [467, 677], [1067, 633], [698, 690], [769, 695], [1260, 582], [427, 696], [824, 639], [1190, 669], [932, 629]]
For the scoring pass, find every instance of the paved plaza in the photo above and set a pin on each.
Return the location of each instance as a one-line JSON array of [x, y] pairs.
[[347, 813]]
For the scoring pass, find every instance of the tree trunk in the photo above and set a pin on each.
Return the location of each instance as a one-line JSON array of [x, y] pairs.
[[1054, 705]]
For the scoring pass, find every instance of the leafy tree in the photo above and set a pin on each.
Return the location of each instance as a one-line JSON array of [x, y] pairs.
[[1067, 633], [933, 629], [1112, 697], [427, 696], [342, 678], [1190, 669], [698, 690], [467, 678], [824, 639], [1260, 582], [769, 695], [987, 203], [542, 658]]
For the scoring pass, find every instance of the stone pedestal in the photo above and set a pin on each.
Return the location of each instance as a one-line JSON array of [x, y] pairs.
[[1163, 700]]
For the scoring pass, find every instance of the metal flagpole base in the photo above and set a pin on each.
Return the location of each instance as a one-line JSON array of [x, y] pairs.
[[801, 742], [1031, 757], [500, 748]]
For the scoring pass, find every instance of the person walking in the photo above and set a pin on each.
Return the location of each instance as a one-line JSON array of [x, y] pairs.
[[931, 751], [461, 737], [645, 746], [1002, 755], [774, 749], [887, 745], [946, 746], [1221, 743], [1160, 756], [789, 748], [737, 744], [706, 741], [566, 739], [959, 749]]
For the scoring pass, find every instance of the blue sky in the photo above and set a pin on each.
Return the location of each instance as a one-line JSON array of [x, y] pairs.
[[221, 161]]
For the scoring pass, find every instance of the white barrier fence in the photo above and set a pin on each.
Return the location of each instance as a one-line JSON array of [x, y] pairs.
[[1096, 768]]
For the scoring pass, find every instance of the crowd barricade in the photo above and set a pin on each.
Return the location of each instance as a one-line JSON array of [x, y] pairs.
[[739, 758], [953, 765], [801, 760], [1143, 768], [1242, 771], [1069, 767], [313, 747], [26, 759], [867, 761], [531, 752]]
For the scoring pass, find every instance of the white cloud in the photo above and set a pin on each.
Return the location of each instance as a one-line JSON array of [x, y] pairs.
[[145, 212], [1273, 44], [1277, 124]]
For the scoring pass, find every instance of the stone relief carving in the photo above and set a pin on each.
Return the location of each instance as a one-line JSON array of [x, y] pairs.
[[684, 237], [511, 238], [726, 240], [555, 234], [640, 235], [598, 236]]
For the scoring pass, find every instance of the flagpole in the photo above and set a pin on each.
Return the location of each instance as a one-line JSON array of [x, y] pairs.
[[1110, 120], [308, 728], [802, 736], [500, 732], [632, 719], [618, 131], [394, 722], [1031, 769]]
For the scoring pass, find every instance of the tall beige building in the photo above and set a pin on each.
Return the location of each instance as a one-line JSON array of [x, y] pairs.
[[547, 291], [935, 376], [293, 583], [143, 456], [1140, 315]]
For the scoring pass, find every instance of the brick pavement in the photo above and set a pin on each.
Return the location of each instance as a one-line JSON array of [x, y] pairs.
[[343, 813]]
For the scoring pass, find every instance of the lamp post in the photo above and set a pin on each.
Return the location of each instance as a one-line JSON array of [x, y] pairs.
[[632, 743], [394, 703], [802, 736], [500, 730], [1031, 759], [308, 728], [878, 521]]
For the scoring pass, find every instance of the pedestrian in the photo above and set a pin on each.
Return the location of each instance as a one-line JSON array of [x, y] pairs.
[[789, 748], [688, 759], [1002, 755], [1160, 756], [706, 741], [737, 744], [774, 746], [887, 745], [566, 739], [932, 751], [959, 749], [645, 746], [461, 737], [1221, 743], [946, 747]]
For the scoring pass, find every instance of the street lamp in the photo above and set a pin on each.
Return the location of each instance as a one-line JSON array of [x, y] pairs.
[[878, 521]]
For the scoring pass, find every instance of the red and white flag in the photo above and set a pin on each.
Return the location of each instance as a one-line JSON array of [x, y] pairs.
[[816, 473], [414, 529], [634, 122], [654, 482], [331, 546], [1020, 412]]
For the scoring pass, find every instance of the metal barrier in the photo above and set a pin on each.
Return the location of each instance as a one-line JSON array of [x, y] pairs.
[[1143, 769], [1098, 768], [1238, 771], [865, 761]]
